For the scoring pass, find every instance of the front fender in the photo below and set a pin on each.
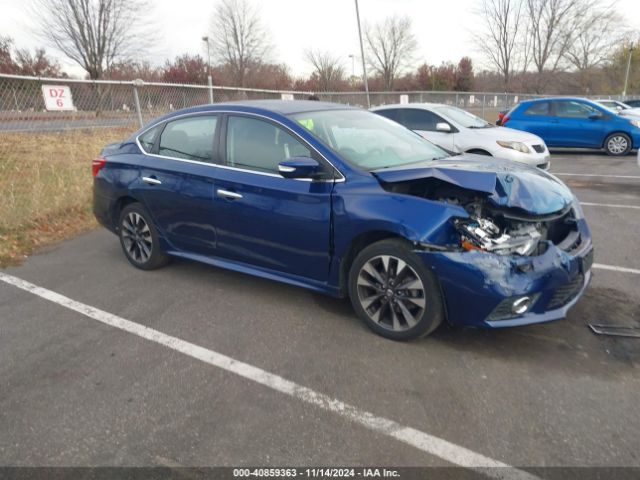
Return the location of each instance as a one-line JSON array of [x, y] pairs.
[[358, 210]]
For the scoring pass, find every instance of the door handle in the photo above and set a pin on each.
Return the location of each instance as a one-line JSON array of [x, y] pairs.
[[151, 180], [228, 194]]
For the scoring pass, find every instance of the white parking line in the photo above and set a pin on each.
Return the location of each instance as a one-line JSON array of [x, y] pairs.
[[595, 175], [612, 205], [430, 444], [616, 269]]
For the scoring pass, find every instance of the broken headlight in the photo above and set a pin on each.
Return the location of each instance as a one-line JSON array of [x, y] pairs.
[[483, 234]]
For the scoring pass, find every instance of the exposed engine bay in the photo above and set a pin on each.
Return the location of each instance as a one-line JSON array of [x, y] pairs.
[[499, 230]]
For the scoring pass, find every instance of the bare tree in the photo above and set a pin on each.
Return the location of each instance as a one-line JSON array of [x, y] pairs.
[[391, 46], [93, 33], [551, 28], [328, 69], [597, 33], [239, 39], [503, 40]]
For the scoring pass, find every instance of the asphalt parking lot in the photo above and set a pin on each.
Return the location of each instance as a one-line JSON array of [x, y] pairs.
[[78, 391]]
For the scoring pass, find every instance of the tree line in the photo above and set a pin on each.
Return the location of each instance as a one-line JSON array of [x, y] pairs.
[[545, 45], [541, 46]]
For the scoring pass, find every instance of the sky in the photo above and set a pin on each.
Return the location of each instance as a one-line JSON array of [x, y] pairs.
[[443, 28]]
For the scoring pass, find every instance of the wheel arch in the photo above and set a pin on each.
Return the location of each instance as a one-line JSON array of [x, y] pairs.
[[604, 140], [118, 206], [479, 151], [356, 245]]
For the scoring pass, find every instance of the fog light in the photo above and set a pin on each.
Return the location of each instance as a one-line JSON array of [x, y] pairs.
[[521, 305], [513, 307]]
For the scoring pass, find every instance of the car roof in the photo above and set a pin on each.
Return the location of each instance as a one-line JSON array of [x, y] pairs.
[[410, 105], [283, 107], [547, 99]]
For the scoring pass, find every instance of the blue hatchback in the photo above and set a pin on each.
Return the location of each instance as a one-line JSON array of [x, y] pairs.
[[575, 123], [346, 202]]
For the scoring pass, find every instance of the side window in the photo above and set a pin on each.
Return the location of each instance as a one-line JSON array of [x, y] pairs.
[[391, 113], [541, 108], [189, 138], [259, 145], [415, 119], [148, 139], [571, 109]]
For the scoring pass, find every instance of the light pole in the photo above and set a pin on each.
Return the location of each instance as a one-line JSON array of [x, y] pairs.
[[209, 80], [364, 66], [626, 78]]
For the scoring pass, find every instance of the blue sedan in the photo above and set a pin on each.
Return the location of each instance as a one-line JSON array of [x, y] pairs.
[[348, 203], [576, 123]]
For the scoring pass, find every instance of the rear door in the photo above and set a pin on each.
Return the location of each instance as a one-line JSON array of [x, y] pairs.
[[177, 178], [263, 219], [536, 118]]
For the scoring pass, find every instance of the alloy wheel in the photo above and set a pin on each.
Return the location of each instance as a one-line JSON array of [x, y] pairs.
[[136, 237], [391, 293], [617, 144]]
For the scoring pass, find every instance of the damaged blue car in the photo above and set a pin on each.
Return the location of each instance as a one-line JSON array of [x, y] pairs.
[[345, 202]]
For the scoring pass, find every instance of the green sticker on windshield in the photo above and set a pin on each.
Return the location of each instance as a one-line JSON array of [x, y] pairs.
[[307, 123]]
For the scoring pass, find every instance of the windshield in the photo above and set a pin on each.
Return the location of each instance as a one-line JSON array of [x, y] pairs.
[[462, 117], [367, 140]]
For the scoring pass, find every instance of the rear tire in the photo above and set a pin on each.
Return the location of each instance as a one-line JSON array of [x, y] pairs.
[[139, 238], [394, 293], [618, 144]]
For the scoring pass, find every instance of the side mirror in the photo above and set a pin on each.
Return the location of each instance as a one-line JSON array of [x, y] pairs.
[[595, 116], [299, 167], [443, 127]]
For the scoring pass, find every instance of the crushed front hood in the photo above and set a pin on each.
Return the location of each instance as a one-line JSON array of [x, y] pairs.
[[509, 184]]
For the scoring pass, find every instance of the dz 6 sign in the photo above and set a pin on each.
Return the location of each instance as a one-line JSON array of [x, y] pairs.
[[57, 97]]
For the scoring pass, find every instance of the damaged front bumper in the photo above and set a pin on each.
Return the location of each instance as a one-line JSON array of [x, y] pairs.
[[479, 288]]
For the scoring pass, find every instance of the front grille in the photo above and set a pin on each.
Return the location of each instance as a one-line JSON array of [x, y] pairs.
[[538, 148], [566, 293]]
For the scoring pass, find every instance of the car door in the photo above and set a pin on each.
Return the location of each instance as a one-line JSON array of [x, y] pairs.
[[177, 177], [263, 219], [424, 123], [576, 124], [537, 118]]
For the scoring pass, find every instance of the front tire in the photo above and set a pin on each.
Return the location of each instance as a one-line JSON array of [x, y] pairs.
[[618, 144], [394, 293], [139, 238]]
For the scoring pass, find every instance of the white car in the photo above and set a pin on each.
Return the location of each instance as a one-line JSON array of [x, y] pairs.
[[459, 131], [619, 107]]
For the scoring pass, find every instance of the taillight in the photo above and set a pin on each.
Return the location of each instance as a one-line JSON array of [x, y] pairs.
[[97, 165]]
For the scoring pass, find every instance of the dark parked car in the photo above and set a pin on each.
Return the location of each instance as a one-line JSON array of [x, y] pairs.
[[348, 203], [575, 123]]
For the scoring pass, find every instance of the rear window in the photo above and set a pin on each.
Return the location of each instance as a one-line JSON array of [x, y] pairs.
[[148, 139], [541, 108], [189, 139]]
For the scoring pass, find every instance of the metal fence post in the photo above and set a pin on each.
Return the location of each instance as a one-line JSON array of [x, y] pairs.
[[484, 101], [210, 83], [137, 83]]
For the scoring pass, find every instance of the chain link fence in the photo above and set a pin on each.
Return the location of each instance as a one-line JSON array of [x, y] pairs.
[[130, 104]]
